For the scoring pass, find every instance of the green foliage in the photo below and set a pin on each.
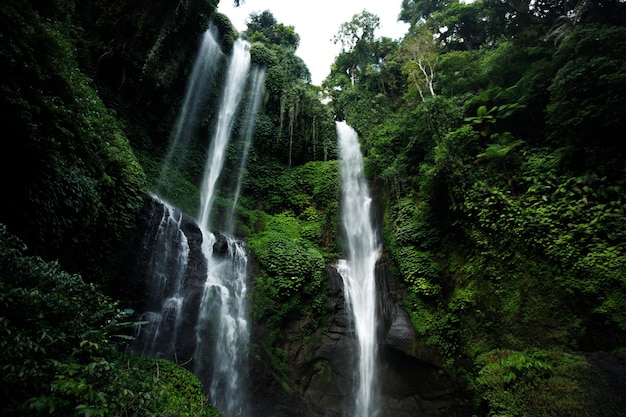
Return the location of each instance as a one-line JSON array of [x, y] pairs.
[[575, 222], [123, 385], [500, 149], [542, 383], [176, 189], [320, 181], [356, 38], [60, 337], [84, 186], [503, 63], [458, 72], [452, 163], [419, 270], [265, 28], [587, 92], [506, 228], [518, 367], [309, 192], [47, 314], [292, 286], [412, 225], [227, 31], [294, 267], [262, 55], [295, 126], [461, 25], [493, 106], [261, 182], [293, 246]]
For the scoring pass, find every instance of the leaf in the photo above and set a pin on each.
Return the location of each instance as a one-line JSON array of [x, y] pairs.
[[509, 377]]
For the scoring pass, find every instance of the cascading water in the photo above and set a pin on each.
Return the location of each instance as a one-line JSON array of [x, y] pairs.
[[167, 247], [254, 102], [169, 251], [357, 270], [205, 66], [233, 92], [222, 323], [222, 332], [217, 308]]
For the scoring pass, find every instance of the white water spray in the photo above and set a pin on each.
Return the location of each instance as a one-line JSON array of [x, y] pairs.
[[198, 85], [169, 253], [222, 333], [254, 102], [168, 245], [233, 91], [357, 270], [220, 351]]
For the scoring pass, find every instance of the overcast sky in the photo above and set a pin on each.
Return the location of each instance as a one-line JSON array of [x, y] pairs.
[[317, 21]]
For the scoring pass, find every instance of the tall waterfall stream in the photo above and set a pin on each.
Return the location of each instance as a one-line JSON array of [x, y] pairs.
[[223, 306], [218, 307], [222, 331], [357, 270]]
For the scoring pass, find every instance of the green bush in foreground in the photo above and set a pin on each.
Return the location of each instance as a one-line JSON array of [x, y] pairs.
[[548, 383], [60, 338]]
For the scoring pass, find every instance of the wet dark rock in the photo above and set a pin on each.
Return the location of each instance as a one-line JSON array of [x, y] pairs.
[[323, 368], [322, 365], [220, 247]]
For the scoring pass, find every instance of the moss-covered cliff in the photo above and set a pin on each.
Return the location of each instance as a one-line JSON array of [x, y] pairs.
[[81, 82]]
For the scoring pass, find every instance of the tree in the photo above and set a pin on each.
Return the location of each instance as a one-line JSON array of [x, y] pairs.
[[264, 26], [586, 11], [587, 93], [420, 51], [356, 38], [296, 128], [462, 26], [415, 12]]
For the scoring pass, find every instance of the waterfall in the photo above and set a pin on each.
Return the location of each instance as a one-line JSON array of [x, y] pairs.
[[233, 92], [212, 310], [207, 60], [168, 250], [167, 246], [256, 91], [357, 270], [222, 332]]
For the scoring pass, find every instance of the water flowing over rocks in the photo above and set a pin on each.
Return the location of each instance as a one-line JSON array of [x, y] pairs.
[[322, 369], [410, 384], [322, 366], [169, 292], [137, 281]]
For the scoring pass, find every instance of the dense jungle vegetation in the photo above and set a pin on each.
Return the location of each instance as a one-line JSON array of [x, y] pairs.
[[492, 134]]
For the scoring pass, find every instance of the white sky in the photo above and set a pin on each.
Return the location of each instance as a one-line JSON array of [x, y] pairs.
[[317, 21]]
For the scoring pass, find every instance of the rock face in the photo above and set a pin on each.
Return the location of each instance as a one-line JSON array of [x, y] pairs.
[[411, 381], [149, 278], [164, 287], [321, 379], [323, 367]]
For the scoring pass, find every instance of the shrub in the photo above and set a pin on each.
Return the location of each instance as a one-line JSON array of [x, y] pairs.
[[60, 337]]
